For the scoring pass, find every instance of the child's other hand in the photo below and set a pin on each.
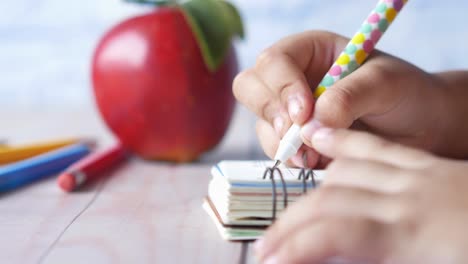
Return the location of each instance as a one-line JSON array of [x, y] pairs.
[[380, 202], [386, 95]]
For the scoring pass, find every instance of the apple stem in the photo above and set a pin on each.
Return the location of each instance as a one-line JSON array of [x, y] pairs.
[[156, 2]]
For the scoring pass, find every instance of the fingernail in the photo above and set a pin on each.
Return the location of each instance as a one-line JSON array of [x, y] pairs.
[[322, 136], [278, 124], [309, 129], [295, 107], [271, 260]]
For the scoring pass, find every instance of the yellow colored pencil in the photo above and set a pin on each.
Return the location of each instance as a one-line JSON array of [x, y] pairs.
[[9, 154]]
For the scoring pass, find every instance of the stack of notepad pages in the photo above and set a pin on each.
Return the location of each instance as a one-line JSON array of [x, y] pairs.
[[240, 201]]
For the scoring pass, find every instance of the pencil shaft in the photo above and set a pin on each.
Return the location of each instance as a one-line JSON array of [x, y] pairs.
[[96, 164], [99, 161], [20, 173], [362, 43], [12, 154]]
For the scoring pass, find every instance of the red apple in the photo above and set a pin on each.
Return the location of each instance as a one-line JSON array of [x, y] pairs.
[[156, 92]]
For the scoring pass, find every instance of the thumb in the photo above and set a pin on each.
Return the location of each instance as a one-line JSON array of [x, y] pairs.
[[360, 94], [357, 95]]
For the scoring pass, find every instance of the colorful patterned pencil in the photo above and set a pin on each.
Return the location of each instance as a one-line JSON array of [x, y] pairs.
[[362, 43], [353, 56]]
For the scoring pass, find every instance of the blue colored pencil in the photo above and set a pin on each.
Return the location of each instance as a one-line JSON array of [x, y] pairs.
[[18, 174]]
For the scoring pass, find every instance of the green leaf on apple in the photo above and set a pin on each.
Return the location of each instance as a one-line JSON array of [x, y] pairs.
[[214, 23]]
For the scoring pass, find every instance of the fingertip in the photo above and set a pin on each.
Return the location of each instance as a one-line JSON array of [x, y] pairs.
[[272, 260], [269, 243], [258, 247], [322, 139], [308, 130], [262, 249], [334, 109], [302, 246]]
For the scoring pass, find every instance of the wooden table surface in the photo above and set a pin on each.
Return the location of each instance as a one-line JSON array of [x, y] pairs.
[[145, 212]]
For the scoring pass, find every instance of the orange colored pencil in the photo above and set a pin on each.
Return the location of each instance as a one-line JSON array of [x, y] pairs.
[[10, 154]]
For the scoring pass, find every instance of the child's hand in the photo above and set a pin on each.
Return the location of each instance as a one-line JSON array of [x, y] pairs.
[[386, 95], [380, 202]]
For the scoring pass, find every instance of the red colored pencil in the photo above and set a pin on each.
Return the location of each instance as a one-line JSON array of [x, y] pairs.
[[91, 167]]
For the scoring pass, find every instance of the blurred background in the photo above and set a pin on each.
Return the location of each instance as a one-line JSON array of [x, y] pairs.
[[46, 45]]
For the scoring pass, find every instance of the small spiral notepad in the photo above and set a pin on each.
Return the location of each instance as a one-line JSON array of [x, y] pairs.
[[245, 197]]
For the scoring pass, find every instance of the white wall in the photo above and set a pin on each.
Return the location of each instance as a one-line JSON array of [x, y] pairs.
[[45, 45]]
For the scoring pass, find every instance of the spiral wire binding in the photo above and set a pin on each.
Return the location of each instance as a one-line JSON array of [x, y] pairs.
[[304, 175], [270, 173]]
